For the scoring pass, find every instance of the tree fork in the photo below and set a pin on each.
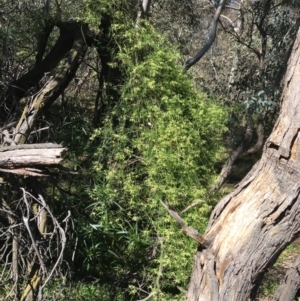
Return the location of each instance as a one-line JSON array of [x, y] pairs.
[[69, 32], [50, 92], [251, 226]]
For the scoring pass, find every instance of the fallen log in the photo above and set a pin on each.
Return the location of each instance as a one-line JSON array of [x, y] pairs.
[[25, 158]]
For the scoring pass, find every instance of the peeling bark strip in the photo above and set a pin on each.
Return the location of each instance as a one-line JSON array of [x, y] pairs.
[[251, 226]]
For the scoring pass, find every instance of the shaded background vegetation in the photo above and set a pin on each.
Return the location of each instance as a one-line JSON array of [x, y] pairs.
[[138, 130]]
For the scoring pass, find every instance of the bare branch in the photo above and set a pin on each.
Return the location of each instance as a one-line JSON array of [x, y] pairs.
[[189, 63], [190, 231]]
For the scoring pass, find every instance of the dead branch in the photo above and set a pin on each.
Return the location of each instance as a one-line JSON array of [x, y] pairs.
[[28, 159], [190, 231]]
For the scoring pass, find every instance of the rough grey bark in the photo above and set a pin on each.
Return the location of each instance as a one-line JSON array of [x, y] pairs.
[[251, 226], [290, 285]]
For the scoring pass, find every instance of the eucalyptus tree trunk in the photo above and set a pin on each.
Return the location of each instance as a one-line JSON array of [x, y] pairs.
[[251, 226], [289, 287]]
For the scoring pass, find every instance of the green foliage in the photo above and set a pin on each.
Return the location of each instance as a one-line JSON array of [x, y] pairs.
[[159, 142], [77, 292], [94, 10]]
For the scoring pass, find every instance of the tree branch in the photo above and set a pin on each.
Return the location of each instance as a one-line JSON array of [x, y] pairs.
[[189, 63], [190, 231]]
